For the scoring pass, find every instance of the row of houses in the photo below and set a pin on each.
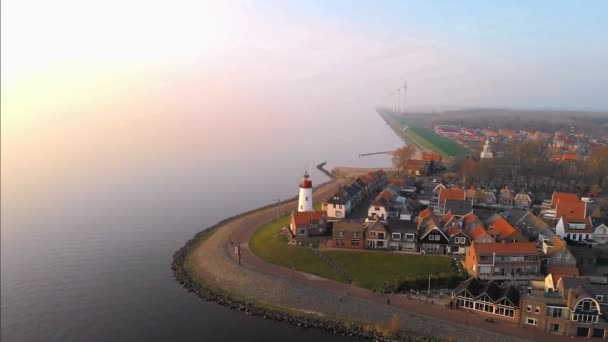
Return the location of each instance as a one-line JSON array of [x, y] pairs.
[[568, 306], [347, 198], [505, 197]]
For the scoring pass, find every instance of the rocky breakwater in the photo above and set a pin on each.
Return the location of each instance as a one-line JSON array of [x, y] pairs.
[[209, 293]]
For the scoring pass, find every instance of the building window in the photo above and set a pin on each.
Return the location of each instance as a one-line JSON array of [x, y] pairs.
[[537, 309], [341, 234], [302, 232], [554, 327], [356, 234], [531, 321], [307, 198], [431, 237], [599, 298], [354, 242], [529, 308]]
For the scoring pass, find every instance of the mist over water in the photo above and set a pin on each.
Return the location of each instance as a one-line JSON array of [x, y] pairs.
[[95, 200]]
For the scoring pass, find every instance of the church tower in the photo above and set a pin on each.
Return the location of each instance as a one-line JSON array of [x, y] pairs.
[[486, 153], [305, 200]]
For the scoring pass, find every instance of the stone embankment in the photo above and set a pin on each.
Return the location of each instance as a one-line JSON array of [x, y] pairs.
[[209, 293]]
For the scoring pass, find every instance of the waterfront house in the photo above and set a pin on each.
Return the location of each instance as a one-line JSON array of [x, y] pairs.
[[503, 260], [574, 307], [458, 241], [486, 197], [487, 298], [349, 235], [432, 239], [403, 235], [376, 235], [306, 224], [416, 167], [380, 207], [338, 206]]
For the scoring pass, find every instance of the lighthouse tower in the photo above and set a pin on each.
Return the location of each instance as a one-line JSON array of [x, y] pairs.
[[305, 201], [487, 152]]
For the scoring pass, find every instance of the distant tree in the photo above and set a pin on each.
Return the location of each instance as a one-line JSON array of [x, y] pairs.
[[596, 189], [597, 164], [402, 155]]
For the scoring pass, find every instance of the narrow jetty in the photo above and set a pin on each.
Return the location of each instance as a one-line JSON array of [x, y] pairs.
[[321, 168]]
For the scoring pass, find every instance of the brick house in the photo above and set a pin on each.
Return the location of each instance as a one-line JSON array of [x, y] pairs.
[[503, 260], [575, 308], [348, 235], [306, 224]]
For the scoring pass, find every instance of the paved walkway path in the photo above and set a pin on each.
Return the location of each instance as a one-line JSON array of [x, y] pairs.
[[282, 287]]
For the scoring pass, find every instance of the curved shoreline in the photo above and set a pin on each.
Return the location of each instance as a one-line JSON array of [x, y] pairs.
[[211, 294], [207, 266]]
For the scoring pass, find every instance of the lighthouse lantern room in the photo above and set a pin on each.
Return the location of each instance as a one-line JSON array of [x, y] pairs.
[[305, 200]]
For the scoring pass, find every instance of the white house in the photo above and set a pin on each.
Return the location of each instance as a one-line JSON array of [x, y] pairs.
[[572, 230]]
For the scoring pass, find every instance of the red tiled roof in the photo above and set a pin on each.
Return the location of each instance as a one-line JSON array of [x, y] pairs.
[[431, 156], [558, 196], [397, 181], [506, 248], [446, 218], [571, 210], [453, 230], [451, 194], [425, 213], [470, 217], [304, 217], [502, 227], [477, 232]]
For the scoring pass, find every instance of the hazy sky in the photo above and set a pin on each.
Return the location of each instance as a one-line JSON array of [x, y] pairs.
[[84, 78], [505, 53]]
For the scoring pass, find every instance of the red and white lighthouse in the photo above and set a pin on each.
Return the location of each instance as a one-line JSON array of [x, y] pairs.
[[305, 200]]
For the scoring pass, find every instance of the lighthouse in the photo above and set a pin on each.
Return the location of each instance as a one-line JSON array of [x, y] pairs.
[[305, 200]]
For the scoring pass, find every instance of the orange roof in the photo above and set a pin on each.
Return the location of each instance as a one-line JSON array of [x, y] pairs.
[[451, 194], [431, 156], [567, 196], [506, 248], [470, 217], [425, 213], [446, 218], [562, 271], [477, 232], [397, 181], [304, 217], [453, 230], [571, 210], [502, 227]]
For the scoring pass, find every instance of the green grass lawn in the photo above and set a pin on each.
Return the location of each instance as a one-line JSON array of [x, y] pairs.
[[369, 269], [272, 247], [374, 269]]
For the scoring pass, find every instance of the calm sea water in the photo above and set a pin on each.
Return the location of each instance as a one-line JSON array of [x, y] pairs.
[[92, 216]]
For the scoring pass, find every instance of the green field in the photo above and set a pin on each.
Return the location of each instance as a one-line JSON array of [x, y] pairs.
[[431, 140], [369, 269], [373, 270], [269, 245]]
